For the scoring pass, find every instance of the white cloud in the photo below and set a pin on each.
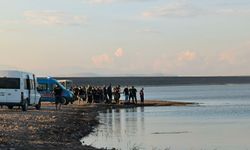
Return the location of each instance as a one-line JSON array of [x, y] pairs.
[[148, 30], [106, 59], [178, 63], [119, 52], [187, 9], [163, 65], [101, 60], [230, 11], [177, 9], [187, 56], [227, 57], [53, 18], [10, 22]]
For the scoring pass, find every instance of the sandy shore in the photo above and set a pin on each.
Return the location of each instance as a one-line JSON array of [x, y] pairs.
[[46, 128], [51, 129]]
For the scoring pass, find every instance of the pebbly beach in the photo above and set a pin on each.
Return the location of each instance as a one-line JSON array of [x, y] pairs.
[[51, 129]]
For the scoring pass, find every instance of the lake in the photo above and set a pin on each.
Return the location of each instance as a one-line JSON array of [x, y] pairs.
[[221, 122]]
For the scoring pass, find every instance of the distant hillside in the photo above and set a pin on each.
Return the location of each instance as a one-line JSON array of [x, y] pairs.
[[157, 81]]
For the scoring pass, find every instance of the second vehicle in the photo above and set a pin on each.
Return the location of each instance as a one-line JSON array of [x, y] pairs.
[[46, 87]]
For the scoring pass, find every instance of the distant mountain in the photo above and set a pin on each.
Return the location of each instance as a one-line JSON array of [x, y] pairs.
[[90, 74], [87, 74], [158, 81]]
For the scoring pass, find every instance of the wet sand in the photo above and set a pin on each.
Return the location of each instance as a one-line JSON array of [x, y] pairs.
[[51, 129], [147, 103]]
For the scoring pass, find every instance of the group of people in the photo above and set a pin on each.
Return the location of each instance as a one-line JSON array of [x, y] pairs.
[[99, 94], [107, 94], [131, 94]]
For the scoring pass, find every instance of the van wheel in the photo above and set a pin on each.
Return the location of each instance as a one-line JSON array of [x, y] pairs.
[[25, 105], [64, 101], [38, 106], [10, 107]]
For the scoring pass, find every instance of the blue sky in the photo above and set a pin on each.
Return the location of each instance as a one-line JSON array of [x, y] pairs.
[[124, 37]]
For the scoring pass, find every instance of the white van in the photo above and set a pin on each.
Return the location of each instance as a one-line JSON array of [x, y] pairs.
[[19, 88]]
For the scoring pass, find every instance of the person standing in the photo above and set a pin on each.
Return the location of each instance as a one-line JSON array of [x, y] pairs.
[[117, 94], [134, 96], [126, 93], [109, 90], [130, 94], [58, 97], [82, 94], [142, 95], [76, 92], [90, 94], [105, 94]]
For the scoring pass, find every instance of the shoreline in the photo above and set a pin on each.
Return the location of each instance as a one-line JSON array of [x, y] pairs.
[[147, 103], [51, 129]]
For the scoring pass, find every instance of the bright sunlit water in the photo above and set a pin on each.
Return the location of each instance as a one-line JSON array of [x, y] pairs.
[[221, 122]]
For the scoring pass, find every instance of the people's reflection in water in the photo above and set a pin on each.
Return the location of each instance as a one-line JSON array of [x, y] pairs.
[[117, 122], [131, 121], [123, 122], [142, 121], [107, 121]]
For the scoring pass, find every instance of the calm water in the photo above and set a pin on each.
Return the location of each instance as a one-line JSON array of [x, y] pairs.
[[222, 121]]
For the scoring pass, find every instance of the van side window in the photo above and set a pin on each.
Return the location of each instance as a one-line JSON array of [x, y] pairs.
[[32, 84], [52, 86], [27, 84], [9, 83], [42, 87]]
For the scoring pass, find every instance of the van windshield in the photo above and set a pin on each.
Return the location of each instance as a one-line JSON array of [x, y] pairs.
[[62, 86], [9, 83]]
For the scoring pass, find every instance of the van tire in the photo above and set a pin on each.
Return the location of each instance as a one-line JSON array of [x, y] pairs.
[[64, 101], [10, 107], [38, 106], [25, 105]]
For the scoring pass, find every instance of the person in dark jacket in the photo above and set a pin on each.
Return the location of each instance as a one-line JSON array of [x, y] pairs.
[[142, 95], [90, 94], [130, 94], [117, 94], [134, 96], [126, 94], [58, 97], [82, 94], [109, 90], [105, 94]]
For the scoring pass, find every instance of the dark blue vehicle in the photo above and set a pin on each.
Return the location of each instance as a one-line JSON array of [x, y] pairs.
[[46, 87]]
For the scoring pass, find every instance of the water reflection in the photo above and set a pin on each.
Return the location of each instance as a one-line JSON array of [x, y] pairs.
[[162, 127], [221, 123], [122, 122], [117, 126]]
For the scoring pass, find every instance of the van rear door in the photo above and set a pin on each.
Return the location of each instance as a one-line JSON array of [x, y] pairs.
[[13, 92], [33, 90]]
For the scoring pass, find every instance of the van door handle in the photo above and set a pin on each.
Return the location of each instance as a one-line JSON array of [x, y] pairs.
[[9, 94]]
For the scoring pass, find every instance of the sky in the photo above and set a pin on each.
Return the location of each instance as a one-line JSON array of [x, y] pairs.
[[126, 37]]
